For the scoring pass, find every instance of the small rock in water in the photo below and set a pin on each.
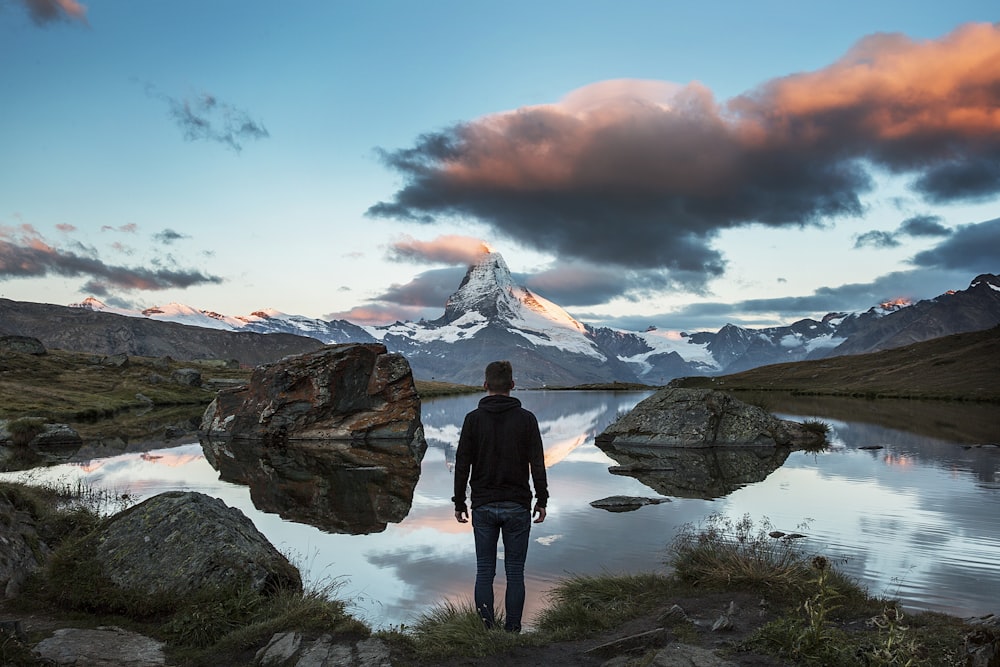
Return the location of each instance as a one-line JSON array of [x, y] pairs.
[[626, 503], [871, 447]]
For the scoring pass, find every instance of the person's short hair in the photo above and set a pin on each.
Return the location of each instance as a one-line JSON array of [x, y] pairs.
[[499, 376]]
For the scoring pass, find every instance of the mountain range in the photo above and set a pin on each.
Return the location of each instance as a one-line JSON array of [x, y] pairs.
[[490, 317]]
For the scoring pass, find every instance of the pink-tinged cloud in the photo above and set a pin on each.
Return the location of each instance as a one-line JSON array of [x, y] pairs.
[[26, 254], [645, 174], [66, 228], [129, 228], [47, 11], [378, 314], [450, 249]]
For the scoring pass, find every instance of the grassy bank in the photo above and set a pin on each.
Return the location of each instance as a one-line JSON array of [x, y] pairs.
[[89, 392], [762, 597], [779, 601]]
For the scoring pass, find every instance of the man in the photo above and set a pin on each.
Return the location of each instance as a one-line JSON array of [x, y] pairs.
[[500, 445]]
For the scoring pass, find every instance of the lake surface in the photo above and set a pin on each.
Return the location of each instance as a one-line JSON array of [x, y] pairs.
[[916, 520]]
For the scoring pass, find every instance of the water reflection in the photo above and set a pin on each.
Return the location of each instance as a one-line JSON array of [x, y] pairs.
[[337, 486], [707, 473], [914, 520]]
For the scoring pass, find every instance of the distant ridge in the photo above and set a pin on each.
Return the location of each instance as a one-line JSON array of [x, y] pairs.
[[490, 317], [84, 330], [963, 366]]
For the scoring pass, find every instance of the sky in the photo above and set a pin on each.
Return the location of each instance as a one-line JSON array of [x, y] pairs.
[[646, 163]]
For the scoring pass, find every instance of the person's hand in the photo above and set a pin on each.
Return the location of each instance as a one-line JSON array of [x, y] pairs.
[[462, 517], [540, 511]]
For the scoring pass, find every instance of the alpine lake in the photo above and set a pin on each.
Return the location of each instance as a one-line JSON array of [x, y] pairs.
[[906, 500]]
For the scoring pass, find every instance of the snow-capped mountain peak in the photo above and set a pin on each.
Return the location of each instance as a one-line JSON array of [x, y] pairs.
[[489, 289]]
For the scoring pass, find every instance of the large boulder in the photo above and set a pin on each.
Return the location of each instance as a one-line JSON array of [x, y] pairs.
[[701, 443], [181, 543], [340, 392], [698, 418]]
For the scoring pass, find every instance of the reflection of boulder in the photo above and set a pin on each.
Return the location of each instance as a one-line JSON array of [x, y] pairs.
[[340, 392], [339, 487], [700, 443], [331, 438], [696, 473]]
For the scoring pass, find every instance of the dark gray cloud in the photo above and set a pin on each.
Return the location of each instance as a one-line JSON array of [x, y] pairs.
[[924, 225], [853, 297], [43, 12], [876, 239], [205, 117], [647, 174], [428, 289], [168, 236], [974, 247], [24, 254], [919, 225]]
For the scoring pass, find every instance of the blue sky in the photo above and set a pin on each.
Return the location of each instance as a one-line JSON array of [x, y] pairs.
[[682, 165]]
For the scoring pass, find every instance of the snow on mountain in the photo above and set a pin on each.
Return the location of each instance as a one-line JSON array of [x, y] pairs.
[[260, 321], [488, 296], [490, 317]]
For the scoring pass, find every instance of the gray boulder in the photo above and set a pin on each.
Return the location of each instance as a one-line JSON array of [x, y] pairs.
[[22, 345], [699, 418], [179, 543], [22, 551], [189, 377], [700, 443], [106, 646]]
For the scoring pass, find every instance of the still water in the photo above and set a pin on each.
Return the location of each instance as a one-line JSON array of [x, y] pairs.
[[916, 519]]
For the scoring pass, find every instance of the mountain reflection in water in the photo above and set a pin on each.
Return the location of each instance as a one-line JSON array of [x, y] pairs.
[[914, 520]]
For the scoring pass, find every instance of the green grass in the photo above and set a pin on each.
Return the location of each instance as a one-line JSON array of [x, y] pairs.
[[450, 630], [431, 388], [78, 389], [582, 604]]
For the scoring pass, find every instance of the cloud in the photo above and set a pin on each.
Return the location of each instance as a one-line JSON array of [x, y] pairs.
[[130, 228], [924, 225], [451, 249], [428, 289], [43, 12], [65, 228], [375, 314], [25, 254], [584, 284], [876, 239], [852, 297], [204, 116], [918, 226], [168, 236], [423, 297], [646, 174], [974, 247]]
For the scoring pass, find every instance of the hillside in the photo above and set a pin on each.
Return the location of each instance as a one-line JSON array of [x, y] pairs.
[[962, 366]]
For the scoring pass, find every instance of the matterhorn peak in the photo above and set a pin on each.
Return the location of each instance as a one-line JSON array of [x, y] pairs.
[[487, 288], [489, 293]]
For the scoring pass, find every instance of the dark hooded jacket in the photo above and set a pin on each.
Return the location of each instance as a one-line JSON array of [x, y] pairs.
[[500, 445]]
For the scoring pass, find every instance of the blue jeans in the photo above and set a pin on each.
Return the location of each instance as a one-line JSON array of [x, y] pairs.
[[513, 521]]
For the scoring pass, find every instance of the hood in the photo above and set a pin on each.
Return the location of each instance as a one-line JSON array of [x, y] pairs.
[[498, 403]]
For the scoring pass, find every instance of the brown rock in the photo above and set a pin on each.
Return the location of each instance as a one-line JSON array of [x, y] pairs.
[[341, 392]]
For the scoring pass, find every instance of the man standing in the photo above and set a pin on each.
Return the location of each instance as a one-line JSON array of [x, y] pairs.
[[500, 445]]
